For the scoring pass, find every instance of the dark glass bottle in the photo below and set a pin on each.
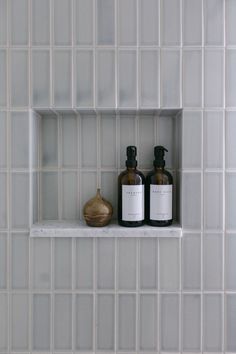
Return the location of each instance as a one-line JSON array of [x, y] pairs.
[[131, 192], [158, 192]]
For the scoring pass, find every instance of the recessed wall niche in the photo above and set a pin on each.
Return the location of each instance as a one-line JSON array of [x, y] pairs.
[[74, 152]]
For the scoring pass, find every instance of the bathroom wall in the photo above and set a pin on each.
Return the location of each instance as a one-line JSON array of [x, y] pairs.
[[127, 295]]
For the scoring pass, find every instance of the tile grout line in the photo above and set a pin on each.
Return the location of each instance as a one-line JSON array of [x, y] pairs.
[[180, 242], [94, 295], [202, 181], [9, 181], [224, 299]]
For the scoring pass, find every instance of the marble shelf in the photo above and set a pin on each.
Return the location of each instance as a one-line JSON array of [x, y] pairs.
[[80, 229]]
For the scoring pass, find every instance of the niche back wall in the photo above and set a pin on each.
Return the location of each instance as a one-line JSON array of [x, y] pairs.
[[158, 295]]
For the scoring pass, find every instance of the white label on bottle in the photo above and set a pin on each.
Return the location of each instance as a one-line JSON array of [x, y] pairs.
[[133, 203], [160, 202]]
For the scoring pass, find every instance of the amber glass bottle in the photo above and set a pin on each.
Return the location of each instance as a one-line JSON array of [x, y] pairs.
[[131, 192], [158, 192]]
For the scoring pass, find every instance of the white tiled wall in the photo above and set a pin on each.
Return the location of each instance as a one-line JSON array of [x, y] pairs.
[[126, 295]]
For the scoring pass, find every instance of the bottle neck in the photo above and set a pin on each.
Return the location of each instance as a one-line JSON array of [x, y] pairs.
[[131, 168], [159, 168], [131, 164], [159, 163]]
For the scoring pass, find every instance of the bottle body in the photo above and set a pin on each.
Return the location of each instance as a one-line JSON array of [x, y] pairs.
[[131, 194], [158, 197]]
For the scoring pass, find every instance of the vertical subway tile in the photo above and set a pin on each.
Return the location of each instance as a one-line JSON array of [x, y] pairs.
[[20, 261], [169, 322], [170, 78], [230, 272], [230, 141], [62, 263], [148, 322], [149, 93], [230, 201], [108, 138], [214, 22], [49, 195], [105, 263], [62, 31], [169, 264], [126, 322], [127, 135], [127, 22], [191, 151], [213, 142], [84, 263], [40, 15], [3, 139], [88, 127], [127, 263], [146, 140], [148, 264], [62, 78], [170, 14], [230, 322], [191, 262], [84, 79], [3, 322], [109, 189], [84, 22], [88, 186], [191, 200], [69, 141], [230, 12], [105, 322], [192, 22], [3, 77], [69, 195], [191, 312], [192, 78], [212, 323], [3, 260], [35, 120], [213, 82], [105, 78], [41, 322], [20, 139], [19, 22], [105, 22], [230, 80], [212, 262], [19, 78], [213, 201], [127, 78], [35, 197], [3, 22], [63, 322], [149, 22], [41, 273], [165, 131], [49, 131], [20, 200], [20, 322], [3, 200], [41, 78], [84, 322]]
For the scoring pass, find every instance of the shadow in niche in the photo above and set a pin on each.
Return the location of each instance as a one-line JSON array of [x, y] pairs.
[[74, 152]]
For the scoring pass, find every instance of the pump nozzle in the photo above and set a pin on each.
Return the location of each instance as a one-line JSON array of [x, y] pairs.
[[131, 153], [159, 153]]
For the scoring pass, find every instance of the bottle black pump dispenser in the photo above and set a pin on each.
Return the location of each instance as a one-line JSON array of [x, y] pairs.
[[159, 185]]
